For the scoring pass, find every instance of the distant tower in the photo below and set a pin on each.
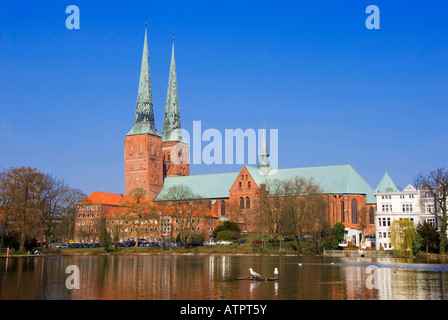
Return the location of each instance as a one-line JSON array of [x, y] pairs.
[[174, 148], [263, 156], [143, 144]]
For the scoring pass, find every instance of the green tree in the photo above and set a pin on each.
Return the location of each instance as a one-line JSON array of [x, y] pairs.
[[227, 226], [105, 238], [428, 234], [337, 236]]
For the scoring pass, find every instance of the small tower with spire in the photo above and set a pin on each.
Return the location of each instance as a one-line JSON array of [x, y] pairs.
[[143, 143], [175, 150], [263, 155]]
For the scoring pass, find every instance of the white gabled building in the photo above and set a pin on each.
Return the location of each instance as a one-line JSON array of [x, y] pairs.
[[415, 205]]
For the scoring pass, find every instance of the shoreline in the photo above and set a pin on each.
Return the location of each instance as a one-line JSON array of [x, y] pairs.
[[433, 257]]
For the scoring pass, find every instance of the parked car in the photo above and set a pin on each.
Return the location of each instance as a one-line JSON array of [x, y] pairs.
[[195, 244], [210, 243], [225, 242], [257, 241], [288, 239], [242, 241]]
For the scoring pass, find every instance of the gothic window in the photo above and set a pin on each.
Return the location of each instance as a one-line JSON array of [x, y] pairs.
[[239, 185], [248, 184], [247, 203], [371, 216], [223, 208], [354, 211], [342, 211], [241, 203]]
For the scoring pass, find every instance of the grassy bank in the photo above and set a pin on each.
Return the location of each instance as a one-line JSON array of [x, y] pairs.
[[247, 248]]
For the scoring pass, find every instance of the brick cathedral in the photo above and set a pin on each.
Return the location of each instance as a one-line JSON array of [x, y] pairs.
[[158, 162]]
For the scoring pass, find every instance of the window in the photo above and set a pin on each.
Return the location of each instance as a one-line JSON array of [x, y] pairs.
[[239, 185], [354, 211], [141, 149], [131, 150], [407, 207], [431, 221], [248, 185], [371, 216], [241, 203], [247, 203], [342, 212], [223, 208]]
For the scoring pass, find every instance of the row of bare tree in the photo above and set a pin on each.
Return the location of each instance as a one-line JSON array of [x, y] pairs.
[[35, 205]]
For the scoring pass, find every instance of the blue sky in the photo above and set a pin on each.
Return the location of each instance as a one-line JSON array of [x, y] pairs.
[[311, 69]]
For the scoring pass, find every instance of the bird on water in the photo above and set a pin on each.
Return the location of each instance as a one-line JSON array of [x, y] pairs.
[[276, 272], [254, 274]]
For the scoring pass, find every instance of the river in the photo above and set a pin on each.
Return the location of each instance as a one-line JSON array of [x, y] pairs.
[[214, 277]]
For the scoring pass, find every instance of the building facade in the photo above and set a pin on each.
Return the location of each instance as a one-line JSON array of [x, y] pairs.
[[415, 205]]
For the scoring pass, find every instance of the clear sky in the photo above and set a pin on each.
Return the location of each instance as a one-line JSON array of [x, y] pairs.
[[311, 69]]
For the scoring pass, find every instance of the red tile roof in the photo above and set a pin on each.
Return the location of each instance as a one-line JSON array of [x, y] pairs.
[[351, 225], [113, 199]]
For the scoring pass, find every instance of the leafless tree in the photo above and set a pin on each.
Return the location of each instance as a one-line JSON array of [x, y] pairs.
[[436, 183]]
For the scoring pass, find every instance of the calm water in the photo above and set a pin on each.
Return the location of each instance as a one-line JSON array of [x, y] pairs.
[[213, 277]]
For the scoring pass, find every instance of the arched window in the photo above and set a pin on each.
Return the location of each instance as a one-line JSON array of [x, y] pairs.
[[354, 211], [342, 211], [223, 208], [371, 215], [239, 185], [248, 184], [247, 203], [241, 203]]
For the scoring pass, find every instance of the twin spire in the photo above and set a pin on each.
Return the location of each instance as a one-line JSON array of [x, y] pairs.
[[144, 110]]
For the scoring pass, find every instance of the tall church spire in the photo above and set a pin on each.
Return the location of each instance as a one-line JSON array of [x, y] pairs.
[[144, 112], [171, 124]]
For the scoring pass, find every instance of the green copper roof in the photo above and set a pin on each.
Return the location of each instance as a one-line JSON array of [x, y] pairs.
[[171, 124], [209, 186], [144, 113], [386, 185], [340, 179]]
